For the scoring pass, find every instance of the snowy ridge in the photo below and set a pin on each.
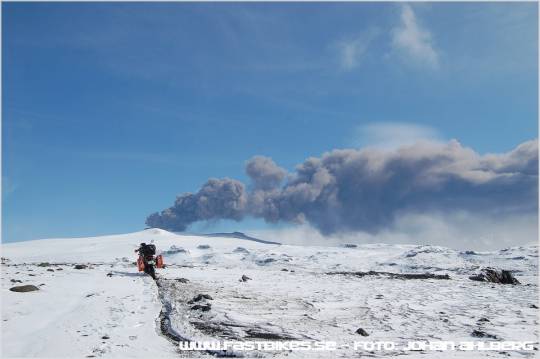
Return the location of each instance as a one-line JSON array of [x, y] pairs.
[[287, 295]]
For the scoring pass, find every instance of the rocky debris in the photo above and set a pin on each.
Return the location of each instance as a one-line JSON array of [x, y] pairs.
[[182, 280], [394, 275], [80, 266], [482, 320], [203, 246], [362, 332], [15, 281], [379, 296], [24, 288], [469, 253], [533, 306], [50, 270], [481, 334], [244, 278], [240, 250], [59, 268], [284, 270], [221, 330], [200, 297], [350, 245], [493, 275], [174, 250], [105, 337], [44, 264], [202, 307], [109, 274], [265, 261], [5, 260], [259, 334]]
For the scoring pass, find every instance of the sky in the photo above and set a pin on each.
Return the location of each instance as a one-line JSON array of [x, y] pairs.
[[110, 110]]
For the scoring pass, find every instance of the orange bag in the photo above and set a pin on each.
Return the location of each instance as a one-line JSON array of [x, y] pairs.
[[140, 264], [159, 261]]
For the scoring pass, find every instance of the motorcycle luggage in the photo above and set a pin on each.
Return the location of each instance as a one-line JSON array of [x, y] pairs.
[[159, 261], [140, 264]]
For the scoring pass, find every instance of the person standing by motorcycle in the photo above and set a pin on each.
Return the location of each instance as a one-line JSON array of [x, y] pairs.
[[146, 254]]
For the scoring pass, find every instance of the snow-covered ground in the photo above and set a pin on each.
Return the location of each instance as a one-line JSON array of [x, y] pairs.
[[110, 310]]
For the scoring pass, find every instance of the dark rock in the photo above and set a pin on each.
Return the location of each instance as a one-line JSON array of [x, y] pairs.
[[265, 261], [15, 281], [50, 270], [44, 264], [362, 332], [534, 306], [59, 269], [200, 297], [395, 275], [349, 245], [204, 307], [480, 334], [105, 337], [493, 275], [80, 266], [182, 280], [469, 253], [257, 333], [244, 278], [483, 320], [203, 246], [109, 274], [24, 288], [284, 270]]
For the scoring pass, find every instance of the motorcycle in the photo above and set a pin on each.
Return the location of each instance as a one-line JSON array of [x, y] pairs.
[[148, 263]]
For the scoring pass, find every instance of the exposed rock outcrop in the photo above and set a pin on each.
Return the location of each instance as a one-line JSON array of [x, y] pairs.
[[395, 275], [493, 275], [24, 288]]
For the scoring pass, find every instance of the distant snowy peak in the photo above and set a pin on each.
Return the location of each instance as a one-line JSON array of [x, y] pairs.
[[239, 235]]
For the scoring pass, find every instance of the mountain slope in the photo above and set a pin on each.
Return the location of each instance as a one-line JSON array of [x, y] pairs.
[[110, 310]]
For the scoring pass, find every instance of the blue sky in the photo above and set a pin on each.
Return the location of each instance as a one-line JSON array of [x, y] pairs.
[[110, 110]]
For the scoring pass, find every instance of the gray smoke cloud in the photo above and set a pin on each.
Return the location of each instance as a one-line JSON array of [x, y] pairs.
[[217, 199], [369, 189], [264, 173]]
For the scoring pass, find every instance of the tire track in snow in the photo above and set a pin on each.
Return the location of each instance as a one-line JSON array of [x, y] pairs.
[[164, 320]]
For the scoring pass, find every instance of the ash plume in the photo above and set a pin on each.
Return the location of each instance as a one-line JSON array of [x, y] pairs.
[[368, 189]]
